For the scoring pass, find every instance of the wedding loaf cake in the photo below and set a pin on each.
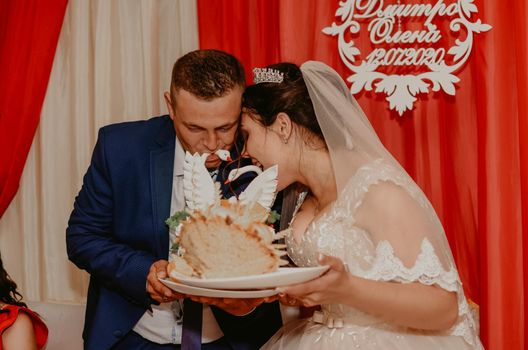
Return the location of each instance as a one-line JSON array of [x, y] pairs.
[[224, 238]]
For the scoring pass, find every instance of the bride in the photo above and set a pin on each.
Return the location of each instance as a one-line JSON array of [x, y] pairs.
[[392, 282]]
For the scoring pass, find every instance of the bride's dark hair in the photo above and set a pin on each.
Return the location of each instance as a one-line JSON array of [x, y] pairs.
[[8, 288], [291, 97]]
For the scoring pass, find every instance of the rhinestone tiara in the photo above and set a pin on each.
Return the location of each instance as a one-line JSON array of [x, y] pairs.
[[267, 75]]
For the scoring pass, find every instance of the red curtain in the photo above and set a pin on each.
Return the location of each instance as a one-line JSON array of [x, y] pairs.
[[467, 152], [29, 32]]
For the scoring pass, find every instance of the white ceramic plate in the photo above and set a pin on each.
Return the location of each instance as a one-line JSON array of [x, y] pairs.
[[217, 293], [283, 277]]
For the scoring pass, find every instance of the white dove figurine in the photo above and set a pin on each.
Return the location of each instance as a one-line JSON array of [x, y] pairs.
[[223, 154], [262, 189], [199, 188], [236, 173]]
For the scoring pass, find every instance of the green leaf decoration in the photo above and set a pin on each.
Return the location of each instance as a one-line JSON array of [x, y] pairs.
[[273, 217], [174, 248], [175, 220]]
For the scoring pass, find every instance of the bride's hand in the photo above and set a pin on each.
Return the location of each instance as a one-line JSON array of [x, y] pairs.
[[288, 300], [331, 288]]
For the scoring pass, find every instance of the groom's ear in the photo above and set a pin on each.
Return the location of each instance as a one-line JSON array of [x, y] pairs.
[[168, 101], [284, 125]]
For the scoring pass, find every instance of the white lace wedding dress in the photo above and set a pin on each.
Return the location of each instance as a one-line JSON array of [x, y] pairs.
[[336, 234]]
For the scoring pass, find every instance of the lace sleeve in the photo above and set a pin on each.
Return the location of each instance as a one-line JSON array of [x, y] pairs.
[[392, 234]]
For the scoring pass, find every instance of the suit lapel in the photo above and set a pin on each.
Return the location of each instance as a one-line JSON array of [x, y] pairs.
[[161, 170]]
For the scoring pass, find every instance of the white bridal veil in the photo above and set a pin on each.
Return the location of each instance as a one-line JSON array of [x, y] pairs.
[[400, 237]]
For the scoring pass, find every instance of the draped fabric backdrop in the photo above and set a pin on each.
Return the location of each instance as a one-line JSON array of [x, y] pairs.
[[28, 36], [468, 152], [113, 63]]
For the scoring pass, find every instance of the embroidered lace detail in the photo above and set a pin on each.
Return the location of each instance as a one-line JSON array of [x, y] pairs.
[[300, 201], [427, 268], [376, 172]]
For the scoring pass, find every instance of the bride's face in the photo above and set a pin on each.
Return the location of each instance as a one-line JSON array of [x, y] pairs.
[[263, 145]]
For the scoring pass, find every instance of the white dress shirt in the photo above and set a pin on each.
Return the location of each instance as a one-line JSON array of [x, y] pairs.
[[164, 324]]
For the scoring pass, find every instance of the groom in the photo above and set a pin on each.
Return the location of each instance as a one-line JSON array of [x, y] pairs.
[[116, 231]]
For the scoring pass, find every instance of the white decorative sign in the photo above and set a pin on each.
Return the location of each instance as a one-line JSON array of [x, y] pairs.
[[420, 48]]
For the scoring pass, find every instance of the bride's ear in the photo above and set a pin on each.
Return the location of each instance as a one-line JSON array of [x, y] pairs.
[[283, 126]]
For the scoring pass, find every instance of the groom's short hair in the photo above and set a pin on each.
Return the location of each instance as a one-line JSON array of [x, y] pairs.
[[207, 74]]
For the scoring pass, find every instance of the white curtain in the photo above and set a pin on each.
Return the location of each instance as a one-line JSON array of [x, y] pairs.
[[113, 63]]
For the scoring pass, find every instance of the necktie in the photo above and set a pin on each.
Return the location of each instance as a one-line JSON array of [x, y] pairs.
[[192, 325], [192, 315]]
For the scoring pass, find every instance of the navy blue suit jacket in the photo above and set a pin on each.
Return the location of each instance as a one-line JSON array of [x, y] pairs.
[[117, 230]]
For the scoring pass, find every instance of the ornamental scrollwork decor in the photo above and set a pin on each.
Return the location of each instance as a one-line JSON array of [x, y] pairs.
[[420, 49]]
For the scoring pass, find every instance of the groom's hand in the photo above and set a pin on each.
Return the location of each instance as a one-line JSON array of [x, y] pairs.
[[157, 290], [237, 307]]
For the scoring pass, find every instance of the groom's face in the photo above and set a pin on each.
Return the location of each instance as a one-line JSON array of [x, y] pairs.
[[205, 126]]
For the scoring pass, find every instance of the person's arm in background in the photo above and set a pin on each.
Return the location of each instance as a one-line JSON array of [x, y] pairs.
[[20, 335]]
